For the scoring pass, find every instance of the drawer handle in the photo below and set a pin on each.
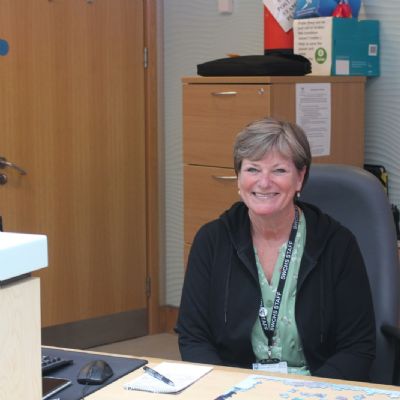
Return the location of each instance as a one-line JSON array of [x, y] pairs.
[[224, 93], [224, 177]]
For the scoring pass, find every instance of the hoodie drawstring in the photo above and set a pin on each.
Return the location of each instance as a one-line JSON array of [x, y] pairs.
[[228, 278], [321, 309]]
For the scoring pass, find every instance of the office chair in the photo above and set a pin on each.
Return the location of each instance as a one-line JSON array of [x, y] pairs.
[[356, 199]]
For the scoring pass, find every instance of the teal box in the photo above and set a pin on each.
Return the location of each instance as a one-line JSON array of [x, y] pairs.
[[355, 47], [338, 46]]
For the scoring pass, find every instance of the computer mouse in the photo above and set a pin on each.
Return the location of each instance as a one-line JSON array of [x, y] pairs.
[[95, 373]]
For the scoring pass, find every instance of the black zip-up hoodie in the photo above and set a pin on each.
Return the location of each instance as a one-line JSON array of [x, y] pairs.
[[221, 297]]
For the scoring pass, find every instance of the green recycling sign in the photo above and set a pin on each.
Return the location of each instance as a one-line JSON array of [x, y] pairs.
[[321, 55]]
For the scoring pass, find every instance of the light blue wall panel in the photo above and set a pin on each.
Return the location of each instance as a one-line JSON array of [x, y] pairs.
[[382, 122], [194, 32]]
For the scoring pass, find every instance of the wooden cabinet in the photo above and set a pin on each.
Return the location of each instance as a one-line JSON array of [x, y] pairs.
[[215, 109]]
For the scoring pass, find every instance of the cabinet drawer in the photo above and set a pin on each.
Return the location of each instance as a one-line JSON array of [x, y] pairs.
[[207, 193], [214, 114]]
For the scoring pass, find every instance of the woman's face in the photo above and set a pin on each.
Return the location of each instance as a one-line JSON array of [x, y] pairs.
[[268, 186]]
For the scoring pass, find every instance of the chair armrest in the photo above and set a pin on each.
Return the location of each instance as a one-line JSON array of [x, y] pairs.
[[392, 333]]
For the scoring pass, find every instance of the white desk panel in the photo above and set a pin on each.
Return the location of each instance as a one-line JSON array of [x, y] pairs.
[[21, 253]]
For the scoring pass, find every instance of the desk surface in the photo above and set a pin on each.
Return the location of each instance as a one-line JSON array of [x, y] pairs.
[[221, 379]]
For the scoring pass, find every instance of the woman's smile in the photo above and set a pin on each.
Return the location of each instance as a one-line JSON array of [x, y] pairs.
[[264, 195], [268, 186]]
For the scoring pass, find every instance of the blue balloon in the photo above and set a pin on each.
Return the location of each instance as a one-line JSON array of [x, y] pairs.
[[355, 7]]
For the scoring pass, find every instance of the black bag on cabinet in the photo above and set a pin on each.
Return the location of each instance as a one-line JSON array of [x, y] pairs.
[[272, 64]]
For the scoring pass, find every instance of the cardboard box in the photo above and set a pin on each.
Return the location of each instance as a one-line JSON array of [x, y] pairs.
[[338, 46]]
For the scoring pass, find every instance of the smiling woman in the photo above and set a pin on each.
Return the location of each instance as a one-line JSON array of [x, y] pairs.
[[270, 170], [264, 282]]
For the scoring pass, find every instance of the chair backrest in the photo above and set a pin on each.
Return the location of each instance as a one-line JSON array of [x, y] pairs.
[[356, 199]]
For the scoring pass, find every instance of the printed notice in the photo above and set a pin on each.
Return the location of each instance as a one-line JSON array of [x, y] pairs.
[[282, 11], [313, 40], [313, 114]]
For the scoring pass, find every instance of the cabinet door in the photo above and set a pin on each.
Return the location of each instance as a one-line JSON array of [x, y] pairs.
[[208, 192], [214, 114]]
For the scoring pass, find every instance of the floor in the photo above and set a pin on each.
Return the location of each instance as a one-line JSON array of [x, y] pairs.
[[163, 345]]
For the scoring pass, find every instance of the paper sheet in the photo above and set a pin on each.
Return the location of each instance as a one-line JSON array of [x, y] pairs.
[[313, 114], [183, 375], [283, 11]]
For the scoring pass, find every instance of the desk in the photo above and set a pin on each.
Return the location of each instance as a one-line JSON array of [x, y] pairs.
[[216, 383]]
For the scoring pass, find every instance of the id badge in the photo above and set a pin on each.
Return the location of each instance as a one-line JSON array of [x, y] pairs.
[[271, 366]]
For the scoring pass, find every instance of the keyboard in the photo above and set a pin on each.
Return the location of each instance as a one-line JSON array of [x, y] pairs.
[[51, 363]]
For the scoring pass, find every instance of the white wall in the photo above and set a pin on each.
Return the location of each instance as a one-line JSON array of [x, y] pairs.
[[194, 32]]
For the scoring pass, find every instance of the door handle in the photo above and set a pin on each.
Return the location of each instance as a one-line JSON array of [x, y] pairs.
[[4, 163]]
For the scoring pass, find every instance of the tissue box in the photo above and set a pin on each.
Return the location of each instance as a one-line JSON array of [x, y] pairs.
[[338, 46]]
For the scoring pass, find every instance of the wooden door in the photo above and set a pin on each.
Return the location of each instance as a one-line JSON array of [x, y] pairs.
[[72, 114]]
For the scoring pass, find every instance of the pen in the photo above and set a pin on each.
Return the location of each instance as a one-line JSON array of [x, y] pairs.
[[158, 376]]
